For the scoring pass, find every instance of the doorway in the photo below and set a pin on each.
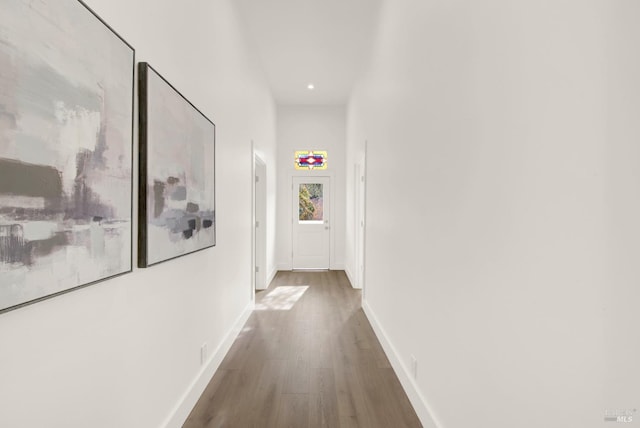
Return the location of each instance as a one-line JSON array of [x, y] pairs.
[[311, 225], [260, 224], [359, 203]]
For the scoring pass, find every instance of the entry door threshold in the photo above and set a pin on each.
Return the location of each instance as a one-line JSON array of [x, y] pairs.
[[310, 270]]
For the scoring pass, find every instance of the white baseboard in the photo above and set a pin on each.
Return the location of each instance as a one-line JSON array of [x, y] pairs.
[[181, 412], [284, 266], [288, 267], [352, 280], [423, 410], [271, 276]]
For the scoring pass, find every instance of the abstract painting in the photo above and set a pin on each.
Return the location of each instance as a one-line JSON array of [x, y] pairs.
[[66, 110], [177, 173]]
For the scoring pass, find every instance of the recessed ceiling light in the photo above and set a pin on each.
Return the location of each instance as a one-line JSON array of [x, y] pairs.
[[310, 86]]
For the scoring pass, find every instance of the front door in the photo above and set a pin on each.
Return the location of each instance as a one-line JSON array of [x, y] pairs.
[[311, 222]]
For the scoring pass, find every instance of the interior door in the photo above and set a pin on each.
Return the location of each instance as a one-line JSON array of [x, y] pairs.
[[260, 204], [359, 224], [311, 200]]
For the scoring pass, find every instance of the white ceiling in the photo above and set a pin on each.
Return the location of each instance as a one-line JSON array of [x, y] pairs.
[[324, 42]]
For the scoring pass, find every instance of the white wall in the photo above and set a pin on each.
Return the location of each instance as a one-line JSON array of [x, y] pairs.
[[503, 202], [126, 352], [310, 128]]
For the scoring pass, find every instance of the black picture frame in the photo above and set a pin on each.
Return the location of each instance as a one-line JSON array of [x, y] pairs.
[[67, 95], [176, 203]]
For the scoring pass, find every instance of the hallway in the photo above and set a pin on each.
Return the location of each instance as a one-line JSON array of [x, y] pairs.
[[307, 357]]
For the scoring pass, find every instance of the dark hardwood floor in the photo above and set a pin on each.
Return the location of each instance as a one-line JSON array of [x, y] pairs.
[[307, 357]]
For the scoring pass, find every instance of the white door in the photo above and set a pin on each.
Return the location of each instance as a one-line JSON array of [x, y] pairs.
[[260, 205], [359, 223], [311, 198]]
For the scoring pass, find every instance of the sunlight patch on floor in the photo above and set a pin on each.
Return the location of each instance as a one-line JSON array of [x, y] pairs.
[[244, 331], [282, 298]]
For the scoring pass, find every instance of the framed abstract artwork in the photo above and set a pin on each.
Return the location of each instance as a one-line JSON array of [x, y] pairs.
[[66, 128], [177, 173]]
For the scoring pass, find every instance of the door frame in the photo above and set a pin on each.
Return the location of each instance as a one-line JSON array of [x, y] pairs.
[[359, 213], [254, 159], [311, 174], [259, 224]]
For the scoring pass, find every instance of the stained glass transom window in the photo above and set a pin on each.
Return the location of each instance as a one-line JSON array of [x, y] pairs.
[[308, 160]]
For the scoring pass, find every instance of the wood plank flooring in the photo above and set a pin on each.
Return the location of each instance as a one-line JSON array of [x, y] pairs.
[[307, 357]]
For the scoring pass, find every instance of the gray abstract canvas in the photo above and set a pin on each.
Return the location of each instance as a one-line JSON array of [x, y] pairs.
[[66, 91], [177, 154]]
